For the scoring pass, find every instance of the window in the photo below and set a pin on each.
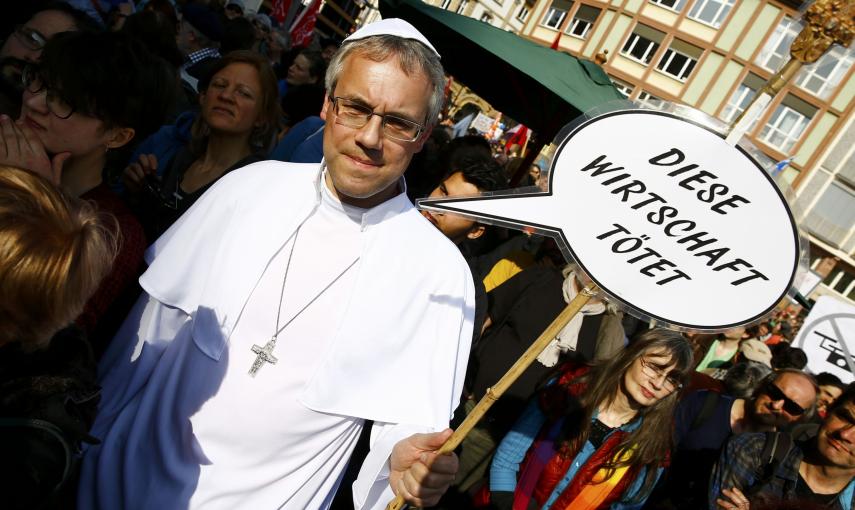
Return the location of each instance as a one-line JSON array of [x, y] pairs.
[[487, 18], [711, 12], [679, 59], [821, 77], [623, 87], [741, 98], [642, 44], [787, 123], [834, 214], [582, 21], [462, 6], [674, 5], [649, 100], [555, 15], [777, 49], [522, 14], [445, 4]]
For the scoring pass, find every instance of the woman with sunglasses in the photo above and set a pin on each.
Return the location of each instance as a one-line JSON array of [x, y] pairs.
[[90, 96], [598, 437], [238, 119]]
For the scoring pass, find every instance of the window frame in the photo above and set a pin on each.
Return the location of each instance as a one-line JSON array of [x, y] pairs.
[[718, 20], [688, 66], [548, 16], [626, 49], [678, 5], [575, 21], [778, 117]]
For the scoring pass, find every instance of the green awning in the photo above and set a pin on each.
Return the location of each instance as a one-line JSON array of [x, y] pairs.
[[533, 84]]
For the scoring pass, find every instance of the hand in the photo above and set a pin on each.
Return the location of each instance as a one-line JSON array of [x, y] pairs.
[[418, 473], [733, 499], [135, 174], [21, 148]]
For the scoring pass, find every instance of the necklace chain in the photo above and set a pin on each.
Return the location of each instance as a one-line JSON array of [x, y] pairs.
[[319, 294], [265, 354]]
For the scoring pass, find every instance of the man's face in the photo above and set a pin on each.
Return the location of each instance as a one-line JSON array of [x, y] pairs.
[[26, 43], [827, 395], [456, 228], [784, 400], [23, 44], [299, 72], [836, 438], [185, 38], [232, 12], [364, 165]]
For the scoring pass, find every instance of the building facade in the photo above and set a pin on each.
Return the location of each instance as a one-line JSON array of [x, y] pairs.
[[714, 55]]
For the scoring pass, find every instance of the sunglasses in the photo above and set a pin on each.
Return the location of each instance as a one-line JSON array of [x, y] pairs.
[[775, 394]]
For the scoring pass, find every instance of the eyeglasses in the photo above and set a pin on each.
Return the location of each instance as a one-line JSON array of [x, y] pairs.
[[32, 39], [775, 394], [34, 83], [351, 114], [670, 383]]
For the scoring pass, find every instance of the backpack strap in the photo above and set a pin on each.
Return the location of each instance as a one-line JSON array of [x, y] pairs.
[[707, 409], [775, 449]]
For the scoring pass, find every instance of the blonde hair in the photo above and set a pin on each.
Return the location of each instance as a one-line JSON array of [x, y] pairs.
[[54, 252]]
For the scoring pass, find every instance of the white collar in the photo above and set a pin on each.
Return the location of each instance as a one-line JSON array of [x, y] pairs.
[[365, 217]]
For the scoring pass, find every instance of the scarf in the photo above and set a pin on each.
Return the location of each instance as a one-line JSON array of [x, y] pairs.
[[568, 337], [546, 463]]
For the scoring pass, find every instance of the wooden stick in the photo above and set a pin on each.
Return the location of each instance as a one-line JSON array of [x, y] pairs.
[[510, 376]]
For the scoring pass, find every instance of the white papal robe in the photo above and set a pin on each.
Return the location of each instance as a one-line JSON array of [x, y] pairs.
[[183, 424]]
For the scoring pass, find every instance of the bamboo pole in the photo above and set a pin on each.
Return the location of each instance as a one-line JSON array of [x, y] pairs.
[[510, 376]]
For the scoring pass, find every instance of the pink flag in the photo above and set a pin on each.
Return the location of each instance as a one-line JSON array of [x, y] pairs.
[[304, 25]]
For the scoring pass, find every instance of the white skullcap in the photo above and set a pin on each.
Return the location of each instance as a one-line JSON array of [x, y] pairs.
[[391, 26]]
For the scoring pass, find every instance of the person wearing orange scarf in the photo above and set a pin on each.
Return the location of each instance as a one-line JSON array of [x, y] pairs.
[[598, 437]]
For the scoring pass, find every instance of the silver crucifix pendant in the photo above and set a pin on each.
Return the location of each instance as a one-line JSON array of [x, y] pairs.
[[264, 355]]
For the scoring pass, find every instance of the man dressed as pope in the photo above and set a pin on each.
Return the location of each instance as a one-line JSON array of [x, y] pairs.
[[290, 304]]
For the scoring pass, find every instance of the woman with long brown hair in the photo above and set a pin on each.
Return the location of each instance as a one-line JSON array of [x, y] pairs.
[[599, 437], [237, 122]]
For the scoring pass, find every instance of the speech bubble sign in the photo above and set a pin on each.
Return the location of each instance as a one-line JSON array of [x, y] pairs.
[[663, 215], [828, 338]]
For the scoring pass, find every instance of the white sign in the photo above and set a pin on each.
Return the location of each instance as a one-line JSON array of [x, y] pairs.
[[828, 338], [663, 215], [482, 123]]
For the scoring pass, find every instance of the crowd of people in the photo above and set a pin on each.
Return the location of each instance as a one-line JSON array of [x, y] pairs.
[[170, 172]]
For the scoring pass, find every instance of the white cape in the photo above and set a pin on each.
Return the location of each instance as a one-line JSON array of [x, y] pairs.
[[402, 348]]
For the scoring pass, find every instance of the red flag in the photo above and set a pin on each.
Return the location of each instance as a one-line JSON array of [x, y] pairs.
[[520, 133], [280, 10], [555, 42], [304, 25]]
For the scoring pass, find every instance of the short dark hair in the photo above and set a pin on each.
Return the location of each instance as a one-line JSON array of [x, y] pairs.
[[317, 64], [848, 395], [789, 357], [82, 21], [110, 76], [486, 175], [743, 378], [826, 379], [154, 29]]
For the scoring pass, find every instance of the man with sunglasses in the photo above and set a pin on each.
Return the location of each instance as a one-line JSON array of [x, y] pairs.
[[291, 304], [25, 44], [818, 473], [705, 420]]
